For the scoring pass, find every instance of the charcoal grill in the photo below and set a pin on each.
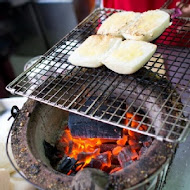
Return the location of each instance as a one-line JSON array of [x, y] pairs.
[[34, 124], [163, 91]]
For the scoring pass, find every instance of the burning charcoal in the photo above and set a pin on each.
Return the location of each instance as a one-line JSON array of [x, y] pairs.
[[94, 163], [114, 160], [112, 167], [105, 158], [116, 150], [123, 140], [66, 164], [83, 156], [134, 156], [107, 147], [133, 135], [84, 127], [115, 170], [81, 126], [125, 156], [148, 142], [132, 142], [101, 161], [136, 146], [65, 142]]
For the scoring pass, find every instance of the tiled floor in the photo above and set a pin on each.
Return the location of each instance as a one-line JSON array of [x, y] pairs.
[[179, 174]]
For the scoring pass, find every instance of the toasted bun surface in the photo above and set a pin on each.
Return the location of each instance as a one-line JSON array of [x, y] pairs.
[[91, 52], [148, 26], [113, 24], [129, 57]]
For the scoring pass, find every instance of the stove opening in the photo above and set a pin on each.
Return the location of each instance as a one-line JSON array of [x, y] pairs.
[[72, 153], [41, 133]]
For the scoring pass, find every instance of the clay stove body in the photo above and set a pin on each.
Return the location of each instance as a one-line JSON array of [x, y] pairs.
[[38, 122]]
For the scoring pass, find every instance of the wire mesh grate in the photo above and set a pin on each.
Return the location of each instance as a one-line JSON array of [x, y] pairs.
[[157, 95]]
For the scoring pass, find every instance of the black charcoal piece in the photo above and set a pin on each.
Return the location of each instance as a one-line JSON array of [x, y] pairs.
[[66, 164], [81, 126], [125, 157], [94, 163], [145, 139], [88, 128]]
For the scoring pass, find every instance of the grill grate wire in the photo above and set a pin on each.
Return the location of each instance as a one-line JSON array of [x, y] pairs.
[[158, 93]]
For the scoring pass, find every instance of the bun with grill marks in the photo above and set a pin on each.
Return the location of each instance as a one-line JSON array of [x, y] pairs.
[[113, 24], [129, 56], [93, 50], [148, 26]]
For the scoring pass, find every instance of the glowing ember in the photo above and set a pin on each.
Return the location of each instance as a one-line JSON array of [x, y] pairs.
[[105, 154]]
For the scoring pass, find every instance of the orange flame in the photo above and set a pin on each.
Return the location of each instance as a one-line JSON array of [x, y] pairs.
[[76, 146], [116, 150], [86, 149]]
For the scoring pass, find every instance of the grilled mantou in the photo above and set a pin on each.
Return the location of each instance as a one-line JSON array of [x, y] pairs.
[[148, 26], [129, 56], [114, 24], [91, 52]]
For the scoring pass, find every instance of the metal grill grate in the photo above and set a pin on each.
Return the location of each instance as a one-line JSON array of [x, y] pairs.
[[158, 94]]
